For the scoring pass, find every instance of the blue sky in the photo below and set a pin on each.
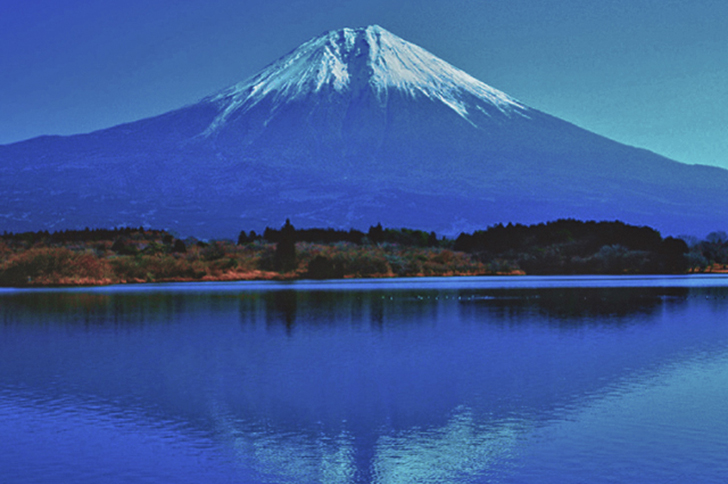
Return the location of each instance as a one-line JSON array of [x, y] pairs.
[[649, 73]]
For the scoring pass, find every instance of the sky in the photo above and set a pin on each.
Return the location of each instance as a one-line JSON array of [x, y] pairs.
[[648, 73]]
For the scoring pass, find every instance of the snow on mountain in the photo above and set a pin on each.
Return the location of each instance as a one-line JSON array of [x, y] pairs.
[[349, 60]]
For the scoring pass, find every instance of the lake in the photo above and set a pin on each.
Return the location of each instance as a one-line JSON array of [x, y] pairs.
[[452, 380]]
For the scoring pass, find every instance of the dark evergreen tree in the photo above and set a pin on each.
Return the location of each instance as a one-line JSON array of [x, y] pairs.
[[243, 238], [285, 257], [179, 247], [376, 234], [673, 253]]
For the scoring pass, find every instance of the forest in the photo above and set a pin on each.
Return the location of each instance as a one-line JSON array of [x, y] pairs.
[[137, 255]]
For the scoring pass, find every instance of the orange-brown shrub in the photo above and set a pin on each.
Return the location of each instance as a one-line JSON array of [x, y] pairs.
[[48, 266]]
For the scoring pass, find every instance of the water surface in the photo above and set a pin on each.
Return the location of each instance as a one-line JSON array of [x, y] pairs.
[[552, 379]]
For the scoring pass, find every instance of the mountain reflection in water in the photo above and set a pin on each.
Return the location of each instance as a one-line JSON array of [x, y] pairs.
[[304, 383]]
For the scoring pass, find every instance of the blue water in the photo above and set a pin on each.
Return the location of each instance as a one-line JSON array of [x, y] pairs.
[[463, 380]]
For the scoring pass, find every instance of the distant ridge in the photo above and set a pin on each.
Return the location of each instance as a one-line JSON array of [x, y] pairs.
[[353, 128]]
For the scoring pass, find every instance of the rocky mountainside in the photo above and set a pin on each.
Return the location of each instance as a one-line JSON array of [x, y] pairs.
[[352, 128]]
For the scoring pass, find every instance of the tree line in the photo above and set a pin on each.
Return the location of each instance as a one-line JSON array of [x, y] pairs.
[[563, 246], [569, 246], [376, 235]]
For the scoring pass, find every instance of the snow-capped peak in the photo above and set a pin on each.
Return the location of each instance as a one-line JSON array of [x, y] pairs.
[[353, 59]]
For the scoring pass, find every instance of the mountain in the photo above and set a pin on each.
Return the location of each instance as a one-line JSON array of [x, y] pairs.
[[352, 128]]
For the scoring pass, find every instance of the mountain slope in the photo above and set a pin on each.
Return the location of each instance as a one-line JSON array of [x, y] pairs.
[[352, 128]]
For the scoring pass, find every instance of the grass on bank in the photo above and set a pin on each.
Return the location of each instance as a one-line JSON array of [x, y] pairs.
[[145, 260]]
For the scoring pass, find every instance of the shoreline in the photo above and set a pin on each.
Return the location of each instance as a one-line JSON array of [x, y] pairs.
[[411, 279], [253, 276]]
